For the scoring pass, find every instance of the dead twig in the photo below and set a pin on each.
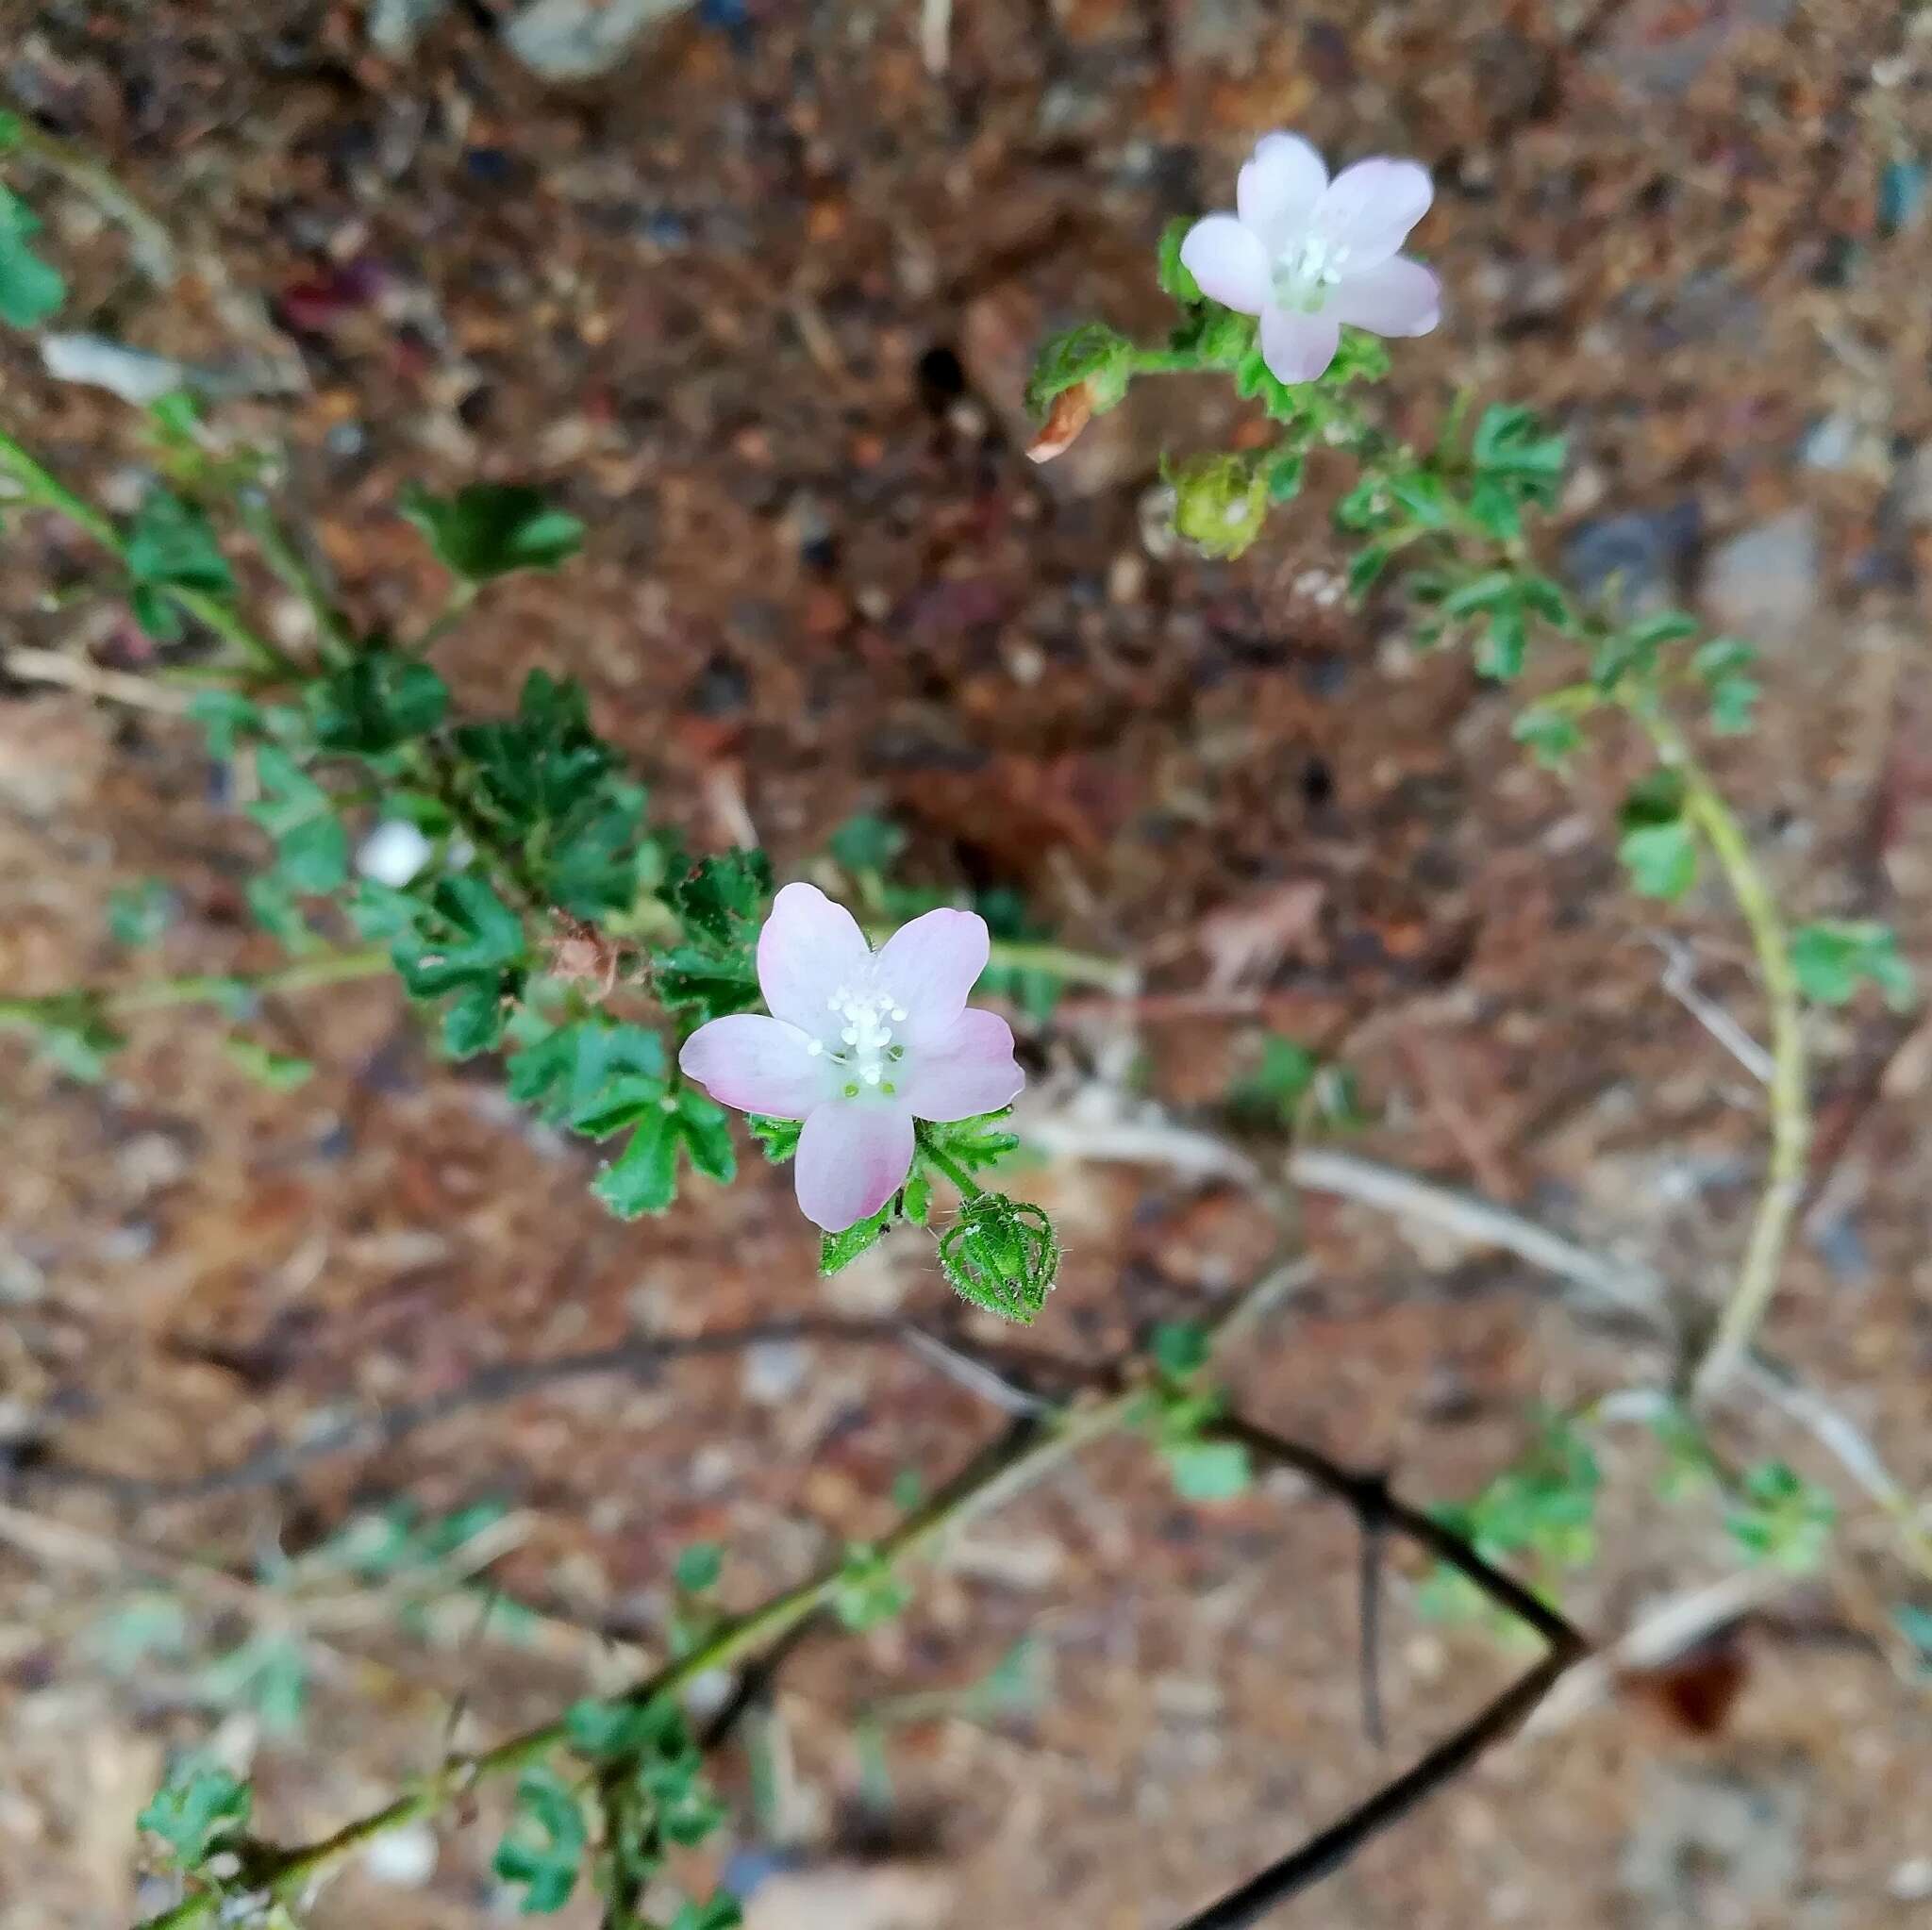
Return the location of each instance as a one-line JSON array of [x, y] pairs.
[[1367, 1497]]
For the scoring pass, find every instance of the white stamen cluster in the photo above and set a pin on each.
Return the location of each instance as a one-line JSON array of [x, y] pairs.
[[866, 1035], [1305, 274]]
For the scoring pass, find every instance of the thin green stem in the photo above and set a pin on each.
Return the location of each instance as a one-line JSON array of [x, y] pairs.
[[1790, 1107], [462, 596], [202, 988], [1061, 962], [46, 489], [335, 635], [1006, 1470]]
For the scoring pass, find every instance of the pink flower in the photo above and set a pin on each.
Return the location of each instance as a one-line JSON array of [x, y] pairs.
[[858, 1045], [1308, 253]]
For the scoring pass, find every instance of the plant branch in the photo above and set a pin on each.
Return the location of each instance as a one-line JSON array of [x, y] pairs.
[[202, 988], [45, 489], [1790, 1108]]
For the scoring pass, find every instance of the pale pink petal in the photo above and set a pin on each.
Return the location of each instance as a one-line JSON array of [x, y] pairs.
[[930, 966], [758, 1065], [853, 1156], [809, 948], [1228, 262], [1401, 298], [1369, 210], [1298, 347], [1277, 190], [967, 1071]]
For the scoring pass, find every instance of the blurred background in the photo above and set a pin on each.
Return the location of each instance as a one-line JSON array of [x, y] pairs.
[[752, 287]]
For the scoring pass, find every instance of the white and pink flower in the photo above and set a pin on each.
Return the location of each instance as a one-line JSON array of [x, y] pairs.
[[1307, 253], [859, 1044]]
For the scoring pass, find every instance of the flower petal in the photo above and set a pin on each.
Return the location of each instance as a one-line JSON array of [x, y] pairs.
[[1401, 298], [967, 1071], [1298, 347], [758, 1065], [930, 966], [853, 1156], [1277, 190], [1369, 208], [809, 948], [1228, 262]]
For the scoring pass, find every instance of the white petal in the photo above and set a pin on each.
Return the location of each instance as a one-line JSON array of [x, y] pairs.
[[809, 948], [1369, 208], [1298, 347], [969, 1071], [1228, 262], [1278, 189], [1401, 298], [758, 1065], [853, 1156], [929, 967]]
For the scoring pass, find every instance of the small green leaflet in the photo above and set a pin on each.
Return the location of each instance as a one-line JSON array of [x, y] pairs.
[[1833, 957], [31, 288], [837, 1251], [280, 1072], [311, 846], [200, 1808], [491, 529], [1175, 277], [869, 1593], [721, 903], [541, 1849], [1658, 847], [643, 1177], [171, 546], [1209, 1469], [376, 703]]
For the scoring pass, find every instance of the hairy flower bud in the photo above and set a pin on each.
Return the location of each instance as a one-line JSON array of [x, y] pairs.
[[1002, 1254], [1221, 502]]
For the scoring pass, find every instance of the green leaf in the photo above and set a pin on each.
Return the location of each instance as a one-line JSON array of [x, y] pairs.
[[837, 1251], [1509, 444], [491, 529], [31, 288], [1276, 1087], [171, 546], [280, 1072], [718, 1912], [1489, 590], [1500, 649], [545, 1843], [1833, 957], [699, 1567], [198, 1809], [593, 1074], [721, 903], [312, 845], [376, 703], [1091, 353], [869, 1593], [473, 1022], [1180, 1347], [1359, 357], [778, 1137], [707, 1133], [139, 914], [1549, 726], [465, 934], [1209, 1470], [225, 717], [643, 1177], [866, 843], [1659, 845], [1174, 275], [1366, 566], [1285, 473], [975, 1143], [1779, 1517]]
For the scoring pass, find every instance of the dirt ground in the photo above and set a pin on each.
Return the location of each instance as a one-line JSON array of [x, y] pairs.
[[756, 305]]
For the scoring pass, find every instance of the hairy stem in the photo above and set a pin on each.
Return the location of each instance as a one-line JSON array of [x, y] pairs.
[[1790, 1108]]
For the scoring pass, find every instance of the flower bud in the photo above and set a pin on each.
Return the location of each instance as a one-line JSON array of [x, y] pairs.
[[1002, 1254], [1221, 502]]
